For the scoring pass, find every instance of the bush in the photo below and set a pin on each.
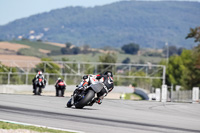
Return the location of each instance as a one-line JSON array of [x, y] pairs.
[[131, 48]]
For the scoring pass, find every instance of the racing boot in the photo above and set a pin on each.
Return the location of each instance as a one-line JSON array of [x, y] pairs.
[[99, 101], [93, 101]]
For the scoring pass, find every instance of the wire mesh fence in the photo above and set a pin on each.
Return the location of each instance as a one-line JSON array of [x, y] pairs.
[[182, 96], [22, 72]]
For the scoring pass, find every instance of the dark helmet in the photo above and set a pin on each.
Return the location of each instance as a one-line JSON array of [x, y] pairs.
[[108, 73], [85, 76]]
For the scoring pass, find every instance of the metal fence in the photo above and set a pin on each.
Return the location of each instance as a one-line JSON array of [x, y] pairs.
[[181, 96], [72, 72]]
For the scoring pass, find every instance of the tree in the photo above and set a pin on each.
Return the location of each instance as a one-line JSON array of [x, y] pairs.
[[194, 33], [48, 67], [181, 70], [194, 66], [107, 58], [180, 50], [75, 50], [85, 49], [184, 70], [190, 77], [175, 70], [171, 49], [68, 49], [131, 48], [68, 45], [14, 78], [127, 60]]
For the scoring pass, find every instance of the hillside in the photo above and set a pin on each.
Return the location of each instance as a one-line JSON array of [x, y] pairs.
[[149, 24]]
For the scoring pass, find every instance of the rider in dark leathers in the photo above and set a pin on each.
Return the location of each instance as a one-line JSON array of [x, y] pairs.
[[36, 77], [60, 82], [107, 80]]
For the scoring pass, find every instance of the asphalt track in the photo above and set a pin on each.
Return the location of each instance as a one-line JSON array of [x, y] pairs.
[[112, 116]]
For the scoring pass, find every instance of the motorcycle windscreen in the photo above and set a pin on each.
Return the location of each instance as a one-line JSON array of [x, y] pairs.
[[97, 87]]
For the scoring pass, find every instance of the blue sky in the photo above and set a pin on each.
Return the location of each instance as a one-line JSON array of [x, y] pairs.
[[15, 9]]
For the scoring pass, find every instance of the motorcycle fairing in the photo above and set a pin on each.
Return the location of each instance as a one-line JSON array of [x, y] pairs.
[[97, 87]]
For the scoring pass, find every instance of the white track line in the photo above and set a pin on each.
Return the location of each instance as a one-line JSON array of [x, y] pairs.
[[27, 124]]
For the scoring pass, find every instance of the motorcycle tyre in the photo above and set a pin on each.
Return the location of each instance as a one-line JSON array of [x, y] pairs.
[[69, 103], [37, 91], [63, 92], [83, 102]]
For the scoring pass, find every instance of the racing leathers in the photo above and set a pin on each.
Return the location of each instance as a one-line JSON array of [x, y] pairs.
[[108, 85], [107, 82], [60, 84], [37, 77]]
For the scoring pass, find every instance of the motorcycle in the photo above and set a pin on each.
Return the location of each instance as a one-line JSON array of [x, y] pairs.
[[39, 84], [60, 89], [84, 96]]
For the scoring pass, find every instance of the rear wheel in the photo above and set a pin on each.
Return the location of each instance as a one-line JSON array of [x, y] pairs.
[[63, 92], [85, 100], [59, 93]]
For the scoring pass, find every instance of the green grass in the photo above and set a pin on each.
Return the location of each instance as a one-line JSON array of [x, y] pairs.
[[37, 45], [31, 52], [132, 96], [79, 57], [138, 59], [5, 125], [120, 58], [88, 57]]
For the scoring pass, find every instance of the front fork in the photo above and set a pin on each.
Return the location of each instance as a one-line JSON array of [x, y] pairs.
[[72, 99]]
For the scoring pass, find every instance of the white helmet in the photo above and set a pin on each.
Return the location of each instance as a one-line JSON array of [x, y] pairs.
[[40, 72]]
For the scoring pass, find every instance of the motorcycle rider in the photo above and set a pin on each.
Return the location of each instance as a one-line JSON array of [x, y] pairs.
[[108, 85], [60, 82], [39, 74], [106, 79]]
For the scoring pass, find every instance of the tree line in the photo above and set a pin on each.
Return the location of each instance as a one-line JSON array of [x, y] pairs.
[[184, 69]]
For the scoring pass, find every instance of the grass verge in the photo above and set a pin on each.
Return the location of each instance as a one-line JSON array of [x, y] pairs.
[[7, 125], [130, 96]]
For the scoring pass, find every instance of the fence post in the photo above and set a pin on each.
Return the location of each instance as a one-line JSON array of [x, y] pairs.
[[172, 93], [195, 94], [164, 72], [95, 69], [47, 78], [26, 78], [158, 94], [45, 65], [65, 78], [129, 71], [8, 78], [164, 93], [79, 67]]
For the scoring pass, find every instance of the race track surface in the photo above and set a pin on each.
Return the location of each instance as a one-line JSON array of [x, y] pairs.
[[112, 116]]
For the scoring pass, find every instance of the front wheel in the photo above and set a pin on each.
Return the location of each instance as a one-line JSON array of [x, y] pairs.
[[85, 100], [37, 91], [69, 103]]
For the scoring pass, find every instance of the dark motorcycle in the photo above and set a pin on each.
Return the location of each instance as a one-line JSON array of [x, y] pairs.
[[60, 89], [38, 85], [84, 96]]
